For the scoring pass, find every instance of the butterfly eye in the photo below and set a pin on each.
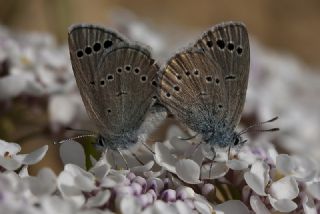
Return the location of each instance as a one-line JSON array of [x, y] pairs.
[[100, 141], [236, 141]]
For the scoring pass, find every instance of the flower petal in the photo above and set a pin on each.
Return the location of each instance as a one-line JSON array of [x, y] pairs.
[[43, 184], [202, 205], [314, 189], [66, 184], [72, 152], [159, 207], [257, 206], [112, 180], [164, 158], [10, 148], [100, 199], [285, 188], [235, 164], [308, 205], [101, 168], [9, 163], [301, 168], [129, 205], [232, 206], [282, 205], [258, 177], [188, 171], [55, 204], [285, 164], [33, 157], [216, 170], [182, 207], [139, 170]]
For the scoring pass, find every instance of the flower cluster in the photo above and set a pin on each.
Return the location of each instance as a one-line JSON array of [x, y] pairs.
[[180, 176], [255, 179]]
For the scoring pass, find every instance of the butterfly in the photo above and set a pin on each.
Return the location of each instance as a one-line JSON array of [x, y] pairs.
[[205, 85], [116, 80]]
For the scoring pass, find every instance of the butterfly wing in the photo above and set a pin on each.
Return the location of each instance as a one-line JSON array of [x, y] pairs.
[[227, 44], [126, 86], [191, 89], [96, 54]]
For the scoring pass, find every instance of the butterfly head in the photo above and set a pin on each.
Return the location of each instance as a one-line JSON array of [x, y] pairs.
[[224, 138], [115, 142]]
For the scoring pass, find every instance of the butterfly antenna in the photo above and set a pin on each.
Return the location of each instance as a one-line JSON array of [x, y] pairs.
[[265, 130], [74, 138], [80, 130], [257, 125]]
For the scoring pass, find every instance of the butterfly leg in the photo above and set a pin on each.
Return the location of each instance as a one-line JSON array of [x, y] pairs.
[[104, 154], [125, 161], [214, 156], [229, 150], [114, 160], [193, 150], [137, 159], [188, 138], [148, 148]]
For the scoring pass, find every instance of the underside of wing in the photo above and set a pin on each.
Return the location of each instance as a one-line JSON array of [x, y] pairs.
[[122, 89], [87, 43], [191, 88], [228, 45]]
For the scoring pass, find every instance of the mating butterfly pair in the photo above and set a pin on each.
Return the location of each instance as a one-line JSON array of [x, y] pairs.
[[203, 86]]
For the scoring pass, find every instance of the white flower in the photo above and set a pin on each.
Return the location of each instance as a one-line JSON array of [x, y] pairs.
[[43, 184], [11, 160], [258, 177], [73, 180], [231, 206], [302, 169]]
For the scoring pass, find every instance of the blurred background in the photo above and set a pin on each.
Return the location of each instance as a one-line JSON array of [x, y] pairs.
[[39, 98]]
